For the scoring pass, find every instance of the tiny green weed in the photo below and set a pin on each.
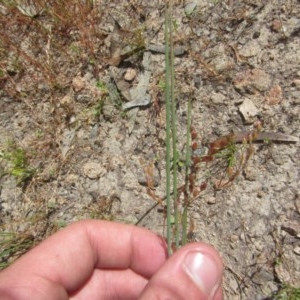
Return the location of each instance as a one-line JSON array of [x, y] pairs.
[[287, 292], [98, 110], [162, 84], [16, 163], [101, 85], [229, 153], [13, 245]]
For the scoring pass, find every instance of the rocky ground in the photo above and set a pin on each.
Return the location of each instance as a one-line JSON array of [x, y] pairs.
[[82, 123]]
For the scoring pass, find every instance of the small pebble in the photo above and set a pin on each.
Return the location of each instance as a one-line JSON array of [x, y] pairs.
[[297, 250], [130, 74], [78, 83], [248, 111], [93, 170]]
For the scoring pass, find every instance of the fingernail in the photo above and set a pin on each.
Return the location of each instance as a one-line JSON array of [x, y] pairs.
[[205, 271]]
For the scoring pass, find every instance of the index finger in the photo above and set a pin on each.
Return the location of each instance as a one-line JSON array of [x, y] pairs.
[[69, 257]]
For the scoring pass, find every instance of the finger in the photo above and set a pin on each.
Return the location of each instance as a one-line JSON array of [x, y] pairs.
[[69, 257], [193, 272], [108, 285], [112, 284]]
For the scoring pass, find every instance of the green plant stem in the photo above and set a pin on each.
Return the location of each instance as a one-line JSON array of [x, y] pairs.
[[168, 131], [174, 128], [184, 225], [187, 168]]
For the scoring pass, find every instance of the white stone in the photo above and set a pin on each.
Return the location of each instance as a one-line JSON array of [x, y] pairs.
[[78, 83], [130, 74], [93, 170], [248, 111]]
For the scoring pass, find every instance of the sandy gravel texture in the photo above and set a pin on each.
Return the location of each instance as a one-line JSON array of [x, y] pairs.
[[239, 63]]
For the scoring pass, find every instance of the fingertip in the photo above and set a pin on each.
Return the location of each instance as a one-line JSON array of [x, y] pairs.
[[203, 266], [193, 272]]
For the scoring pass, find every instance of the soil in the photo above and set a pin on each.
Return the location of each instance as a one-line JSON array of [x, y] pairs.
[[64, 83]]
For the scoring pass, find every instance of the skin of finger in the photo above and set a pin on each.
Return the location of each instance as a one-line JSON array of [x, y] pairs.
[[25, 290], [111, 285], [108, 285], [115, 284], [172, 282], [219, 294], [69, 257]]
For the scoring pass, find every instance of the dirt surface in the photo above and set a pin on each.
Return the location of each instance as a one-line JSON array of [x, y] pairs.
[[64, 83]]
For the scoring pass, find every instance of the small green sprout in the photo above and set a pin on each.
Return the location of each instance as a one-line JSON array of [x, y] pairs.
[[162, 84], [287, 292], [101, 85], [229, 153], [98, 110], [175, 25], [267, 141], [17, 164], [12, 245]]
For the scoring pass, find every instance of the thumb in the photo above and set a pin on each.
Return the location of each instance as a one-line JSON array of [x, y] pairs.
[[193, 272]]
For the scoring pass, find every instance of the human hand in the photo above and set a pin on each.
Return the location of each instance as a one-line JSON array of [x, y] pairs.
[[105, 260]]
